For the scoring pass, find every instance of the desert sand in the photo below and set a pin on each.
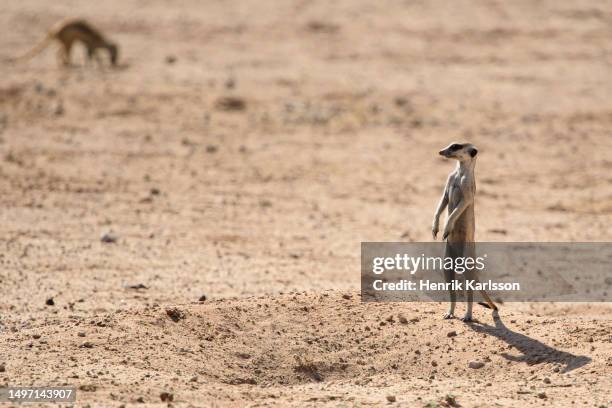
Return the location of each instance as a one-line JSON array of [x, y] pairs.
[[239, 155]]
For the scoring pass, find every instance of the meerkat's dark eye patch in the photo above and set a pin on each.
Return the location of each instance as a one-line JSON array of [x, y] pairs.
[[455, 147], [473, 152]]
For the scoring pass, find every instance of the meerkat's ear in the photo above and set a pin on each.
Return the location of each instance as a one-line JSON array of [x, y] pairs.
[[473, 152]]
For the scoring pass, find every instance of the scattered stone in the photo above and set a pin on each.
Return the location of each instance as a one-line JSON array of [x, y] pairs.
[[450, 401], [211, 149], [346, 296], [170, 59], [546, 380], [109, 238], [451, 334], [2, 367], [137, 286], [391, 398], [87, 344], [81, 334], [166, 396], [434, 363], [140, 400], [202, 298], [476, 364], [265, 203], [36, 336], [88, 387], [50, 302], [175, 314], [400, 101], [542, 395], [59, 109], [309, 368], [251, 381], [155, 191], [322, 27], [402, 319], [230, 103]]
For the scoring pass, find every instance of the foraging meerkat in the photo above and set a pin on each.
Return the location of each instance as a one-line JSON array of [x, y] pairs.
[[67, 33], [458, 195]]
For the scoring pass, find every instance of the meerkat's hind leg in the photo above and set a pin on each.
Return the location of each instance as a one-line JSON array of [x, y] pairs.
[[449, 276], [94, 55], [64, 54], [89, 57], [469, 276], [470, 300], [62, 59]]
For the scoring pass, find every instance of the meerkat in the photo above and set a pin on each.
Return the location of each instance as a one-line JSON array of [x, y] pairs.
[[460, 228], [67, 33]]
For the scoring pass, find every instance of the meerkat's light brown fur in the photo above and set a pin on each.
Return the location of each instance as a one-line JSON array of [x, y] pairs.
[[460, 228], [69, 32]]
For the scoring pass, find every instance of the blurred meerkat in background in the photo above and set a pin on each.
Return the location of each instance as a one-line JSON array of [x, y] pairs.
[[70, 31]]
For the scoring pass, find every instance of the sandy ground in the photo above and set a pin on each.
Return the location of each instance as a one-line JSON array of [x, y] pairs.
[[261, 205]]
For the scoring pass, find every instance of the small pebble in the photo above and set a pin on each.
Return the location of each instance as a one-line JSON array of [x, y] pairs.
[[109, 238], [476, 364]]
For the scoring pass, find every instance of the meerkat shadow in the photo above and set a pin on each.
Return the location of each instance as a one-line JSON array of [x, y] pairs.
[[533, 351]]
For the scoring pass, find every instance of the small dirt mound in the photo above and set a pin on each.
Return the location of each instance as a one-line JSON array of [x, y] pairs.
[[231, 104]]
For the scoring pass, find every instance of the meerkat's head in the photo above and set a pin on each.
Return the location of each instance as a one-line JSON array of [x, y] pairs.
[[460, 151]]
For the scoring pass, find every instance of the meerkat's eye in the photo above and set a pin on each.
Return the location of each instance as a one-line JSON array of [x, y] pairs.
[[456, 146]]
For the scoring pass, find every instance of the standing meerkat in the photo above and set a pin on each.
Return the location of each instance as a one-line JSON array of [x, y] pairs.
[[458, 195], [67, 33]]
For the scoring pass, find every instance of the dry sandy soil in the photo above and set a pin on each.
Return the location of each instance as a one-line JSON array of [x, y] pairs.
[[260, 202]]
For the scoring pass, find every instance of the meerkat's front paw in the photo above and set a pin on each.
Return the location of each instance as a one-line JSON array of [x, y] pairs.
[[434, 230], [447, 230], [449, 315], [467, 318]]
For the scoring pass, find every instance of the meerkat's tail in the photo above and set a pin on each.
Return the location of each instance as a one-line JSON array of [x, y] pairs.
[[37, 49], [488, 303]]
